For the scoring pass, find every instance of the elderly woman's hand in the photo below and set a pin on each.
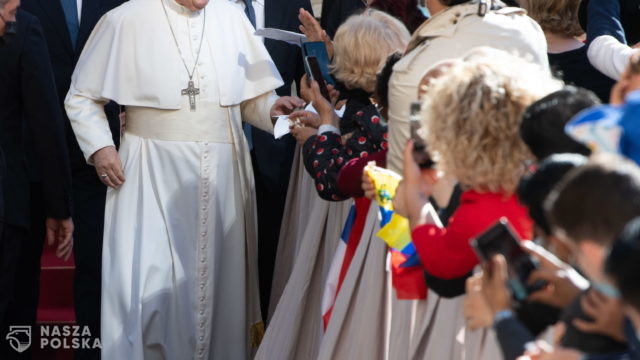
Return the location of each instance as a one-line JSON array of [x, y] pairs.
[[325, 109], [312, 29], [302, 133], [308, 118]]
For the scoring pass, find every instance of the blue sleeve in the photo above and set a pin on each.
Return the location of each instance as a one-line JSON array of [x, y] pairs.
[[616, 356], [512, 336], [604, 19]]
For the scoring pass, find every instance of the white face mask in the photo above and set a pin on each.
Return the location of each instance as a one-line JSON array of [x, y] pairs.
[[424, 9]]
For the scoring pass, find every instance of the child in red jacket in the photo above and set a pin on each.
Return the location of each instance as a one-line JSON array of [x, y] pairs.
[[472, 116]]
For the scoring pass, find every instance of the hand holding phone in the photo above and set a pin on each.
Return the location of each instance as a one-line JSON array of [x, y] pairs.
[[420, 153], [312, 69], [502, 239]]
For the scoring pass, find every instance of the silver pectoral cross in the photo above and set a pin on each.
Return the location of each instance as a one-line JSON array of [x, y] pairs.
[[192, 91]]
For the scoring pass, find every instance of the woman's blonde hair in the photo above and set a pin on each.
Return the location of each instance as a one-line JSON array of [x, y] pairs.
[[555, 16], [472, 117], [362, 45]]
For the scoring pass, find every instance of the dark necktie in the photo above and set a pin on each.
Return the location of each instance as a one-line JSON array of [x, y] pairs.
[[70, 8], [251, 13]]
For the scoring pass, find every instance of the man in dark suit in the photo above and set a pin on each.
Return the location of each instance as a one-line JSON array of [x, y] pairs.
[[3, 27], [272, 159], [335, 12], [28, 109], [67, 25]]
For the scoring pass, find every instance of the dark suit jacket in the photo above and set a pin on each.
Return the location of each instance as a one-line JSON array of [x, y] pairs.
[[335, 12], [29, 107], [274, 157], [64, 58]]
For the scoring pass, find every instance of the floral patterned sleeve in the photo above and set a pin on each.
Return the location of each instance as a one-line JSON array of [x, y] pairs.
[[325, 154]]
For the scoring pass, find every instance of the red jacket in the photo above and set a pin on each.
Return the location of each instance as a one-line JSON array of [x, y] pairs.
[[446, 253]]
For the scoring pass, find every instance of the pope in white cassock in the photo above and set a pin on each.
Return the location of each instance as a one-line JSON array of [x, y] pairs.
[[179, 260]]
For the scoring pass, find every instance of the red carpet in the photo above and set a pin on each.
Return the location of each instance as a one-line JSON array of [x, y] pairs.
[[56, 301]]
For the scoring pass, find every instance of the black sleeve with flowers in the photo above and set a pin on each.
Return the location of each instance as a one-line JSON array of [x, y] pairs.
[[325, 154]]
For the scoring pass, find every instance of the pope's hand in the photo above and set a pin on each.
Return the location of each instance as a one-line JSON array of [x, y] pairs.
[[286, 105], [108, 166], [60, 231]]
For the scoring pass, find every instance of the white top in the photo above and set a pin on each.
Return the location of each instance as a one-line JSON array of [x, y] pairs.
[[610, 56], [258, 7], [137, 63], [79, 6]]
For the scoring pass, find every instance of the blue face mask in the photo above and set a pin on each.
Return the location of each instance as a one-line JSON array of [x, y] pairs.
[[607, 289], [424, 10]]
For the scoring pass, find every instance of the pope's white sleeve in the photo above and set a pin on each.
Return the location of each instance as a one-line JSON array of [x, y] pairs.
[[89, 123], [609, 56], [257, 111]]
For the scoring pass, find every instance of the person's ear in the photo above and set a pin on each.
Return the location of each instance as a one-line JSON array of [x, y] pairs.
[[593, 253], [560, 248]]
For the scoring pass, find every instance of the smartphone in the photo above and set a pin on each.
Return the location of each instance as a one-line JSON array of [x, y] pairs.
[[420, 153], [501, 238], [318, 49], [313, 73]]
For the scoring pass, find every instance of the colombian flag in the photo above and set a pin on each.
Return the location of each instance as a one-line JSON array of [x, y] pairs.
[[406, 269]]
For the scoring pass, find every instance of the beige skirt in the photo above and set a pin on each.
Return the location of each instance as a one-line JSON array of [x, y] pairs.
[[309, 236], [357, 328]]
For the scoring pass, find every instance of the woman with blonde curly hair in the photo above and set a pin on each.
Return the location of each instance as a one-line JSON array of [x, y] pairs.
[[472, 117], [567, 54]]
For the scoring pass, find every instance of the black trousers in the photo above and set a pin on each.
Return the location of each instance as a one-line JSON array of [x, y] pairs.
[[271, 200], [20, 284], [89, 196]]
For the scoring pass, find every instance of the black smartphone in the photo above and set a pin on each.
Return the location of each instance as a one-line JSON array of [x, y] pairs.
[[313, 73], [318, 49], [501, 238], [420, 153]]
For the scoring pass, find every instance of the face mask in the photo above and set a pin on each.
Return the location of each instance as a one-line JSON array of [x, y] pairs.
[[424, 10], [607, 290]]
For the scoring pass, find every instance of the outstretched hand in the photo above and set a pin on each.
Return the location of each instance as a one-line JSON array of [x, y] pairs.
[[312, 29]]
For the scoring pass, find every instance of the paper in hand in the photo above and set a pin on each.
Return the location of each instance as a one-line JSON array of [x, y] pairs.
[[281, 128], [290, 37]]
